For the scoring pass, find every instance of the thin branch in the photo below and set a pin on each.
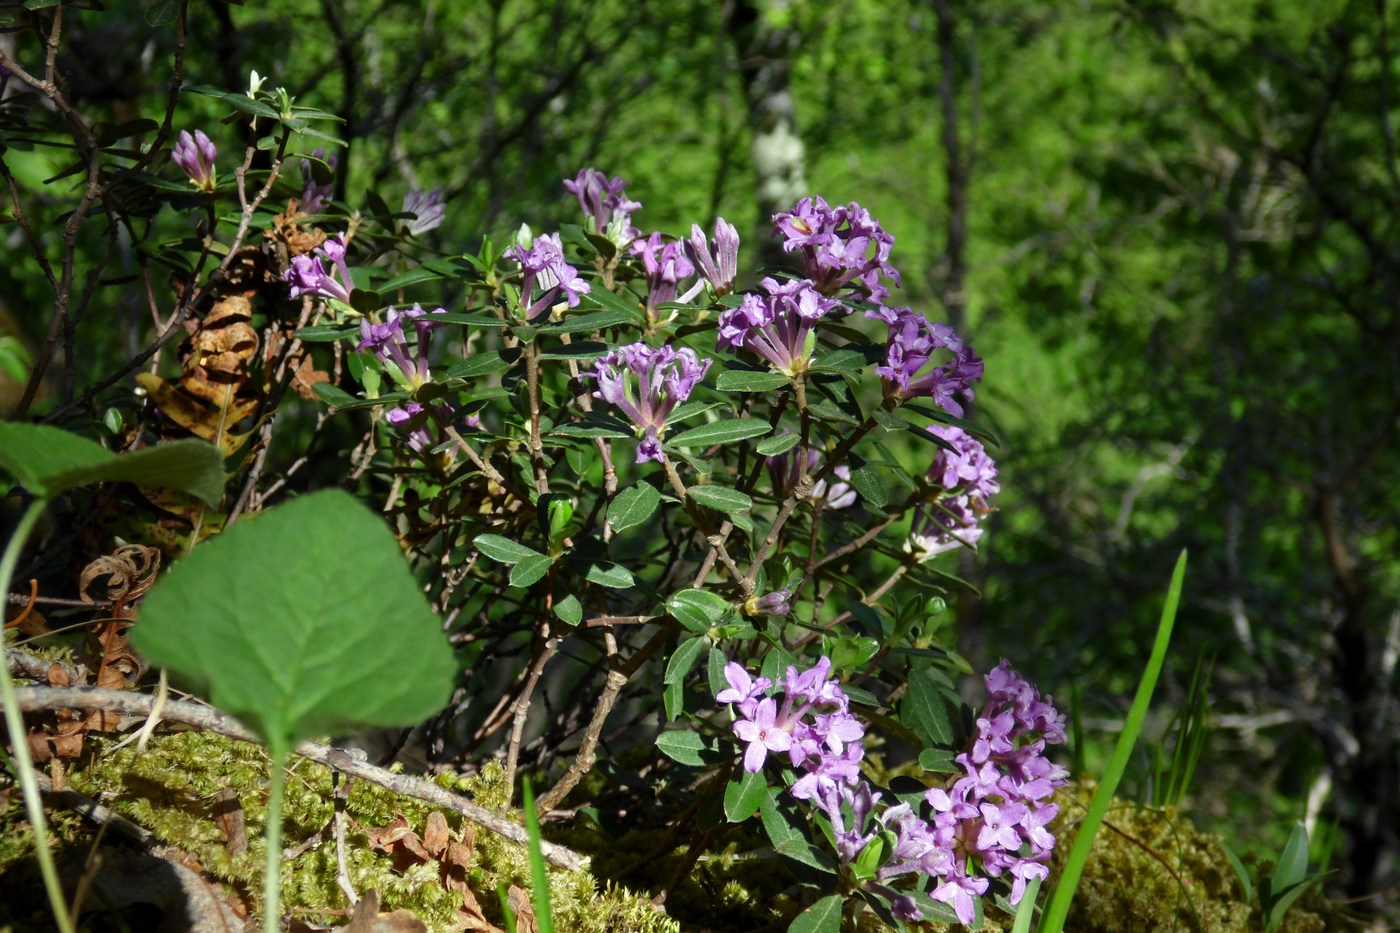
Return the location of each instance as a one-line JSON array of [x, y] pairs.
[[38, 699]]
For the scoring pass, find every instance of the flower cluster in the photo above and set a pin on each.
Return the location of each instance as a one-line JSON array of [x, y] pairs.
[[990, 823], [969, 478], [606, 207], [195, 155], [315, 198], [666, 264], [387, 340], [307, 276], [546, 276], [994, 817], [779, 326], [840, 246], [647, 384], [427, 209], [814, 726], [913, 340]]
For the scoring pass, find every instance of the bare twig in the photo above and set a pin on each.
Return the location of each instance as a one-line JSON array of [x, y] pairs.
[[35, 699]]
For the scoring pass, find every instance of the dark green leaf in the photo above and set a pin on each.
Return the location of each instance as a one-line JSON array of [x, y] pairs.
[[610, 575], [593, 320], [720, 432], [479, 364], [683, 661], [828, 411], [472, 319], [529, 570], [777, 444], [333, 395], [870, 488], [569, 610], [847, 362], [48, 460], [684, 746], [336, 609], [632, 506], [925, 710], [411, 277], [325, 333], [599, 298], [698, 610], [720, 498], [596, 424], [742, 380], [579, 350], [504, 550], [744, 795]]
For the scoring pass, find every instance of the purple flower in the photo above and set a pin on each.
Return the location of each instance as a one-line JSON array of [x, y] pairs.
[[647, 385], [913, 341], [743, 689], [605, 206], [775, 603], [718, 266], [195, 155], [544, 270], [965, 468], [387, 341], [959, 891], [315, 198], [307, 275], [666, 265], [763, 733], [779, 326], [840, 246], [427, 209]]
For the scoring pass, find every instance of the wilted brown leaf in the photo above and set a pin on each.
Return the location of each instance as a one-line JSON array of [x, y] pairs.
[[120, 577], [368, 919]]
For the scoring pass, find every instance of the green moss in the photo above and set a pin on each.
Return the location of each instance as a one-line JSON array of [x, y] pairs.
[[172, 789]]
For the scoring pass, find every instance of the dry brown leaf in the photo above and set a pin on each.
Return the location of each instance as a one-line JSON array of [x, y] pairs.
[[368, 919], [194, 416], [518, 899], [436, 834], [228, 816], [400, 842], [120, 577]]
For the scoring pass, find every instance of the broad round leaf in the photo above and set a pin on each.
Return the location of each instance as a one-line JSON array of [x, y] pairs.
[[302, 621]]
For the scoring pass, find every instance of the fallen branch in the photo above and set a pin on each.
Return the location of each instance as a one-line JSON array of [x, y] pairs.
[[36, 699]]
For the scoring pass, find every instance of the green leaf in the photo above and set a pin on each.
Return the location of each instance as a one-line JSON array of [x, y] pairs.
[[325, 333], [504, 550], [594, 320], [411, 277], [777, 444], [698, 610], [744, 795], [721, 432], [333, 395], [569, 610], [539, 875], [578, 350], [744, 380], [720, 498], [828, 411], [925, 710], [479, 364], [529, 570], [683, 746], [844, 361], [939, 760], [632, 506], [595, 424], [851, 651], [1246, 888], [683, 661], [161, 12], [870, 488], [1293, 863], [48, 460], [289, 617], [599, 298], [606, 573], [788, 840]]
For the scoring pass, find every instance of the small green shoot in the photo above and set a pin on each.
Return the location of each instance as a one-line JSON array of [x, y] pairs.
[[283, 621], [1187, 732]]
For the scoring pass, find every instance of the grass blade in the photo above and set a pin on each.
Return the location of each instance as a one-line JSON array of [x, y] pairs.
[[1058, 909]]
